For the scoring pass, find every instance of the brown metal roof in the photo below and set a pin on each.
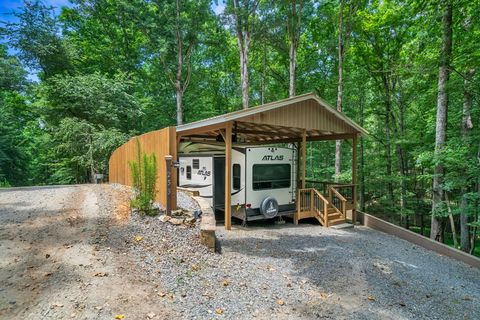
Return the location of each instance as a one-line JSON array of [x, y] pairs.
[[283, 120]]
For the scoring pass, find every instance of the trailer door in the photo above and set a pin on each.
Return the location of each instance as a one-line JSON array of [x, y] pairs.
[[218, 182]]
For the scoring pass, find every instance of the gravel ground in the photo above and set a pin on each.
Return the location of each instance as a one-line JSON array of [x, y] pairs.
[[162, 271], [303, 272]]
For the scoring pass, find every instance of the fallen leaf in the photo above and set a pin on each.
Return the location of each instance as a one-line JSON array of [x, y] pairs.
[[138, 238], [371, 298], [195, 267], [119, 316], [219, 311], [280, 302], [162, 294], [225, 283]]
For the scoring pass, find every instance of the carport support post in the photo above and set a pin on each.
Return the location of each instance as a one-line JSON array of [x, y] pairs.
[[354, 178], [228, 176], [168, 166], [304, 157], [297, 184]]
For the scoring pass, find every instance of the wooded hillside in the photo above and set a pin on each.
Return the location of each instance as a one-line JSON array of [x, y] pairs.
[[77, 82]]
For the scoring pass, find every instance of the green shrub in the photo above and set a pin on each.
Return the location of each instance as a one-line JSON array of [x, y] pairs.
[[4, 183], [144, 179]]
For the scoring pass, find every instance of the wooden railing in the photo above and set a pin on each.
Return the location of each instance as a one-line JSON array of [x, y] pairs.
[[320, 207], [331, 209], [338, 202], [346, 190], [304, 200], [312, 204]]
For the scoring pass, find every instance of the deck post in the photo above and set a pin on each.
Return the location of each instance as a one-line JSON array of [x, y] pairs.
[[228, 176], [354, 178], [296, 215], [304, 156]]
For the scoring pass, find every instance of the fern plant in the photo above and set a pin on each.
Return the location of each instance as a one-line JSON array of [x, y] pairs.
[[144, 179]]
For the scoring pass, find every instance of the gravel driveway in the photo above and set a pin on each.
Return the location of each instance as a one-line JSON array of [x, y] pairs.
[[75, 252]]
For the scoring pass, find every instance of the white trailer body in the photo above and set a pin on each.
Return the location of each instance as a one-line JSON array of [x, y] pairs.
[[263, 180]]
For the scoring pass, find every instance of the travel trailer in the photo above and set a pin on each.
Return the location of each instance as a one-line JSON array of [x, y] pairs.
[[263, 179]]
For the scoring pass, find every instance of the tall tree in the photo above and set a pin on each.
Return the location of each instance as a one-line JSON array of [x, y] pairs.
[[344, 31], [243, 13], [174, 38], [294, 31], [441, 118], [467, 127], [37, 36]]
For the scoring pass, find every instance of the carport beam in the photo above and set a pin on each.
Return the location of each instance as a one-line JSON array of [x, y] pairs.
[[228, 175]]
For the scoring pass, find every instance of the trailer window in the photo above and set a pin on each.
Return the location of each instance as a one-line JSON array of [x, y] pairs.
[[236, 176], [271, 176], [196, 164], [189, 172]]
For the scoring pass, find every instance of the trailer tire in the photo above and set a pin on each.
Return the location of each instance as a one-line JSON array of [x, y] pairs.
[[269, 207]]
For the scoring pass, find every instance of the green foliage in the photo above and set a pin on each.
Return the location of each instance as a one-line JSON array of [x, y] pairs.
[[83, 149], [4, 183], [144, 177], [37, 37], [95, 98]]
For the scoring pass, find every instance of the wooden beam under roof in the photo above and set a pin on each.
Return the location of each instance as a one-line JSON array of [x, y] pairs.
[[265, 133]]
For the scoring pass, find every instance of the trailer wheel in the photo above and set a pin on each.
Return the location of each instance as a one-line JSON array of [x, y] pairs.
[[269, 207]]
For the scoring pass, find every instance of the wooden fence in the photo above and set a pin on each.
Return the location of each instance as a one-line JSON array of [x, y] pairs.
[[161, 142]]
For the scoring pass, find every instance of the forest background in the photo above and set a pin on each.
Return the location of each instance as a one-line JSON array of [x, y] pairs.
[[79, 78]]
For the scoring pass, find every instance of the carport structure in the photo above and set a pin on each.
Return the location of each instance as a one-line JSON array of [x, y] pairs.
[[294, 120]]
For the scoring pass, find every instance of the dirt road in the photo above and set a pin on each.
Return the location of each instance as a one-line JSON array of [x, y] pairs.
[[55, 259]]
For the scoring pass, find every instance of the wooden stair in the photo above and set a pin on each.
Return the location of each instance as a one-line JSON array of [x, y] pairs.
[[334, 217], [313, 205]]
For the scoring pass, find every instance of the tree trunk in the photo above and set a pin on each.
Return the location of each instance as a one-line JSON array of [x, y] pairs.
[[362, 159], [388, 145], [179, 95], [293, 68], [242, 28], [178, 77], [476, 217], [441, 119], [295, 19], [338, 144], [452, 222], [244, 75], [467, 127], [264, 74]]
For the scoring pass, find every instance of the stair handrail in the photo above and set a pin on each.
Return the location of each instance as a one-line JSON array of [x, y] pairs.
[[342, 210], [325, 205]]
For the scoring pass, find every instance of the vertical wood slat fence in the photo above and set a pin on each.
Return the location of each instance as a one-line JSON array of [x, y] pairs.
[[162, 143]]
